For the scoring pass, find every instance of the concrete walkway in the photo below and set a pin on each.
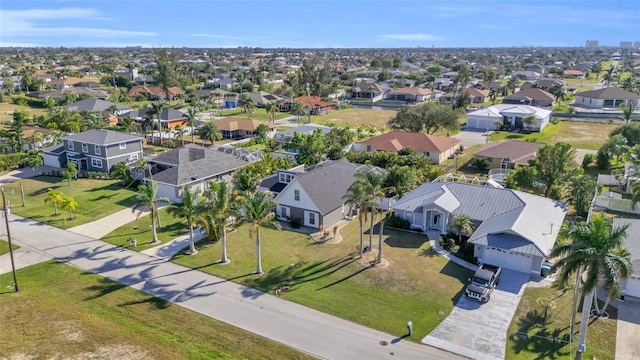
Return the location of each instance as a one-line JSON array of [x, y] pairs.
[[628, 329], [302, 328], [99, 228], [23, 257], [169, 249]]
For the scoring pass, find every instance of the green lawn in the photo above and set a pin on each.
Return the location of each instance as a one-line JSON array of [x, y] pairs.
[[582, 135], [96, 199], [258, 114], [4, 246], [63, 313], [530, 319], [141, 231], [416, 285]]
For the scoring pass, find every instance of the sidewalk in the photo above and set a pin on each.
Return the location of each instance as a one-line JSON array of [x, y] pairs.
[[302, 328], [23, 257]]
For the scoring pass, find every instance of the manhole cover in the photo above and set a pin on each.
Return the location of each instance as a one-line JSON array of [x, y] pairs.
[[384, 343]]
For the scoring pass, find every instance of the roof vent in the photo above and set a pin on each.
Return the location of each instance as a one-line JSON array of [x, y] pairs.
[[193, 178]]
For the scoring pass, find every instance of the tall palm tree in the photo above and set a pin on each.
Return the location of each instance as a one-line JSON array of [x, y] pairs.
[[372, 183], [128, 124], [54, 197], [258, 212], [192, 115], [215, 212], [593, 254], [157, 107], [245, 180], [462, 224], [71, 204], [147, 196], [635, 198], [296, 109], [272, 110], [188, 211], [240, 76], [209, 132], [608, 76], [356, 196]]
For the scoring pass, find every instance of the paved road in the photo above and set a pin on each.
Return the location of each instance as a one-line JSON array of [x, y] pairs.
[[302, 328], [479, 331]]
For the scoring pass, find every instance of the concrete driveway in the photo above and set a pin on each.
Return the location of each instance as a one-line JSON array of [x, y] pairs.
[[471, 137], [627, 345], [477, 330]]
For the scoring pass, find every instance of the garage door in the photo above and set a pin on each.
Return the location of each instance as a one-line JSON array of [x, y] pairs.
[[508, 259], [632, 287]]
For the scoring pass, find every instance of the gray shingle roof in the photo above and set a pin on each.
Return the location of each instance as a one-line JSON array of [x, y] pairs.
[[102, 137], [609, 93], [91, 104], [500, 211], [192, 163]]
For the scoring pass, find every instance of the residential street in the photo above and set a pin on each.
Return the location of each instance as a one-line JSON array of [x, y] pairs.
[[302, 328]]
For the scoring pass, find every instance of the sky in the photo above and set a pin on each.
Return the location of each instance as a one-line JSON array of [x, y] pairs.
[[317, 23]]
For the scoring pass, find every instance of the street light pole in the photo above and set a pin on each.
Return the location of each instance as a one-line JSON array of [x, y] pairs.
[[6, 220]]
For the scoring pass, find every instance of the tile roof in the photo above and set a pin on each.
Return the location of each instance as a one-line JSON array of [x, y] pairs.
[[232, 124], [520, 152], [398, 140], [102, 137]]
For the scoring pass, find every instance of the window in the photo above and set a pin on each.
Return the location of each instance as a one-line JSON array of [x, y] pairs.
[[96, 163], [285, 178], [96, 149], [312, 219], [296, 195], [70, 145], [489, 159], [133, 157], [85, 148], [426, 153], [122, 145]]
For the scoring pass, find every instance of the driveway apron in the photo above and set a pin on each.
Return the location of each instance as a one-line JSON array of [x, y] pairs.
[[477, 330]]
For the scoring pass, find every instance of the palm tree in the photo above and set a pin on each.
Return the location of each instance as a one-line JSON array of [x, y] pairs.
[[216, 211], [54, 198], [596, 69], [121, 171], [627, 112], [244, 180], [147, 196], [272, 110], [209, 132], [529, 121], [296, 109], [372, 183], [356, 196], [192, 115], [635, 197], [180, 132], [608, 76], [69, 203], [187, 210], [240, 76], [629, 84], [128, 124], [258, 212], [462, 224], [594, 255], [156, 109]]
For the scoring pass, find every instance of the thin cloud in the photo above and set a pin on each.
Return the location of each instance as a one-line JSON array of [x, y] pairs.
[[216, 36], [21, 26], [413, 37]]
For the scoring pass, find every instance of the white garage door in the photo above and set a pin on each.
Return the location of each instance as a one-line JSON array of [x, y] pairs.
[[508, 260], [51, 160], [633, 286]]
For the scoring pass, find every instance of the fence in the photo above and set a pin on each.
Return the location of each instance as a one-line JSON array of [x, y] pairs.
[[622, 205]]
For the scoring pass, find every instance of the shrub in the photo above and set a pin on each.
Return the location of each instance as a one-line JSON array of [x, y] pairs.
[[555, 121], [603, 159], [449, 244], [10, 161], [398, 223], [587, 160]]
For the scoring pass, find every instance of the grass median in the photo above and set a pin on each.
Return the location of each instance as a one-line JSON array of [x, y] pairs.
[[64, 313]]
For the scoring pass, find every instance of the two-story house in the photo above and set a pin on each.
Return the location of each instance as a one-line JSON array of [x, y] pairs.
[[100, 150]]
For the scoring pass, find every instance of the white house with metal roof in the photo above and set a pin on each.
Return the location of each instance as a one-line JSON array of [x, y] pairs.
[[513, 114], [512, 229], [631, 286]]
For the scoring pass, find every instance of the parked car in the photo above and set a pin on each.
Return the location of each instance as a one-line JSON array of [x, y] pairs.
[[483, 282]]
